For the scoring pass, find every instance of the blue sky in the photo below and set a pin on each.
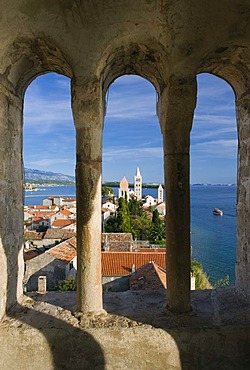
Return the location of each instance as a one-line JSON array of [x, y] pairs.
[[131, 135]]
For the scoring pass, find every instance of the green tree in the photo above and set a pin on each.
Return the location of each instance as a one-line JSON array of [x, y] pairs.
[[123, 216], [107, 191], [201, 279], [135, 208], [141, 227], [121, 222], [112, 225], [157, 235], [67, 284], [220, 283]]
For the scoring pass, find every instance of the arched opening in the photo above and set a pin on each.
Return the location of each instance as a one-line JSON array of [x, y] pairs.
[[132, 165], [213, 179], [49, 182]]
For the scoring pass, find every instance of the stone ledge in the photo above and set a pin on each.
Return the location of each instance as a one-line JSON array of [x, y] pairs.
[[45, 332], [210, 309]]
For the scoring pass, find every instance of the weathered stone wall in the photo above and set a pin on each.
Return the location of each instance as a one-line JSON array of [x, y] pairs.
[[93, 42], [115, 284], [45, 265]]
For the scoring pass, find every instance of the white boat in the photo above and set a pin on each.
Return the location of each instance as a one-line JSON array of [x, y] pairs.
[[217, 212]]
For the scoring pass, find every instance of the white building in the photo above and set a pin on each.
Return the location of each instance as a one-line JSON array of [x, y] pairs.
[[149, 201], [109, 206], [161, 208], [138, 184], [160, 194]]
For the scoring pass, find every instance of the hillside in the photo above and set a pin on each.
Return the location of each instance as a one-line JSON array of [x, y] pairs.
[[38, 175]]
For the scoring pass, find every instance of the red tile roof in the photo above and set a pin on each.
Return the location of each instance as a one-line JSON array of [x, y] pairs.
[[39, 207], [65, 251], [120, 263], [41, 214], [58, 234], [28, 254], [149, 277], [69, 199], [155, 250], [62, 223], [66, 212], [34, 235]]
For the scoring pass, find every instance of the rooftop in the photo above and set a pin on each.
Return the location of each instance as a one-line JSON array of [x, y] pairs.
[[62, 223], [65, 251], [58, 234], [120, 263], [149, 277]]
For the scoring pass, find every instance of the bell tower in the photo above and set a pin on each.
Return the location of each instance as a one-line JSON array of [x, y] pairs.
[[138, 184]]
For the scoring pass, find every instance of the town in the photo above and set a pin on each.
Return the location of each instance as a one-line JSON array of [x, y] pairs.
[[132, 257]]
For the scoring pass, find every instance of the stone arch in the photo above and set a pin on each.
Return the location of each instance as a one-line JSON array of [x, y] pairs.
[[88, 107], [28, 58], [24, 60], [232, 64], [145, 60]]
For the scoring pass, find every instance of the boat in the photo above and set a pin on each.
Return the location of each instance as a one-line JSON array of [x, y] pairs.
[[217, 212]]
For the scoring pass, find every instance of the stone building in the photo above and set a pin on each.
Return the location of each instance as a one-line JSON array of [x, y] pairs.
[[123, 191], [138, 184], [93, 42], [56, 264], [117, 242], [160, 194]]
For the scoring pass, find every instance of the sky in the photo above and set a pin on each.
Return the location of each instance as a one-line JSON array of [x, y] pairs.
[[131, 135]]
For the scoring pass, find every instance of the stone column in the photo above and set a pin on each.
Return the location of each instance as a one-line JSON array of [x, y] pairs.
[[176, 109], [243, 196], [87, 105], [11, 200]]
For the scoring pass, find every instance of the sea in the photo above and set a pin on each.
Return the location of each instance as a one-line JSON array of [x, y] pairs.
[[213, 238]]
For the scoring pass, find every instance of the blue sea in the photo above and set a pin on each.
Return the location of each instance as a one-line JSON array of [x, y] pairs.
[[213, 238]]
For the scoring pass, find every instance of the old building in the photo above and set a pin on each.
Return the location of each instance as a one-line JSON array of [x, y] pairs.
[[150, 276], [93, 42], [123, 191], [118, 266], [160, 194], [57, 263], [138, 184], [117, 242]]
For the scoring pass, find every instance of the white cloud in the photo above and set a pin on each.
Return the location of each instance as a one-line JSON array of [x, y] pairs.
[[216, 148], [203, 134], [46, 162], [139, 153]]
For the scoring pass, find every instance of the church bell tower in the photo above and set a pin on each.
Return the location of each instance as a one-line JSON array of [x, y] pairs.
[[138, 184]]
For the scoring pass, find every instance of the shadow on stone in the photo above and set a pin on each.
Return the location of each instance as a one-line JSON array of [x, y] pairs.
[[63, 346]]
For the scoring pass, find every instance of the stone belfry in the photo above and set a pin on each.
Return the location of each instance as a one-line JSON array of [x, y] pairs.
[[138, 184], [160, 194]]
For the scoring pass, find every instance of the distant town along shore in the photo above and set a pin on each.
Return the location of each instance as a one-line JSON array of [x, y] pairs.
[[116, 184]]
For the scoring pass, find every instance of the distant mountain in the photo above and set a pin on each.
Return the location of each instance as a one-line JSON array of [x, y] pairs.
[[31, 174]]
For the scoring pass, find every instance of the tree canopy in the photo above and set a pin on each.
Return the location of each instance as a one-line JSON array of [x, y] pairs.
[[107, 191], [131, 217]]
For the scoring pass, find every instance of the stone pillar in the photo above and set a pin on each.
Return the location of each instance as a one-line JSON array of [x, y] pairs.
[[176, 109], [11, 200], [243, 196], [87, 105]]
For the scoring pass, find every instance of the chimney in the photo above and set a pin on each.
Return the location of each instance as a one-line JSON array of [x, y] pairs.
[[42, 284], [133, 268]]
